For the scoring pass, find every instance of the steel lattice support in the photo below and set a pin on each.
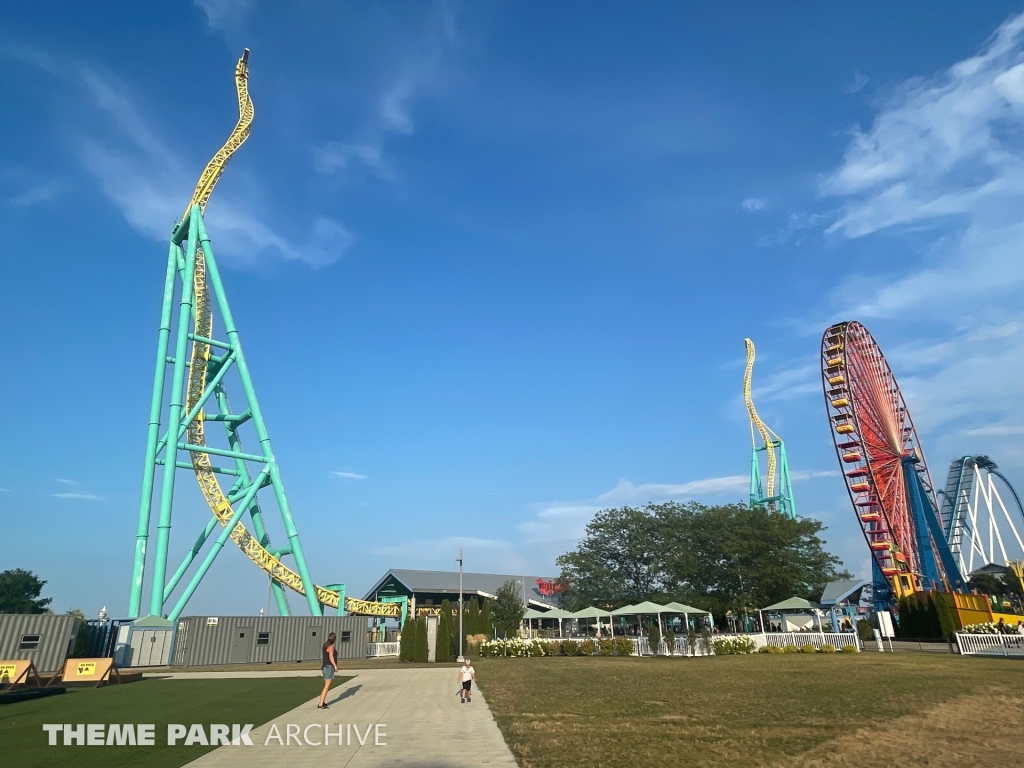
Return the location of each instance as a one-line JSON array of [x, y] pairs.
[[189, 267]]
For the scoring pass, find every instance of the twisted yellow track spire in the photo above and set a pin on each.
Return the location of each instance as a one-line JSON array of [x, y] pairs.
[[203, 329], [755, 421], [215, 168]]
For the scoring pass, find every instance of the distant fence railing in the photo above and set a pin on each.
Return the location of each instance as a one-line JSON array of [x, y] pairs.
[[990, 645], [700, 648], [381, 649], [781, 639]]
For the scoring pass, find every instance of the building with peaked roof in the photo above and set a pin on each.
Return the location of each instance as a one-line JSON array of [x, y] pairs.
[[429, 588]]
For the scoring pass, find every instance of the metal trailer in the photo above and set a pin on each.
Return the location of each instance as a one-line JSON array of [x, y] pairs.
[[208, 640], [46, 639]]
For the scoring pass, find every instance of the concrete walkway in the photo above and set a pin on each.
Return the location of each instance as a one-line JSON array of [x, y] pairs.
[[415, 714]]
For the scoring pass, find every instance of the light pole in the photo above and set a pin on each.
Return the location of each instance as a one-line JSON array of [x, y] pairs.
[[459, 558]]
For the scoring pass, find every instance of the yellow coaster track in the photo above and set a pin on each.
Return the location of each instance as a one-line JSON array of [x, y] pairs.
[[767, 435], [203, 328]]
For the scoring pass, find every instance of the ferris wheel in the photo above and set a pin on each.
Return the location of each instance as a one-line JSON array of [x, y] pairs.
[[884, 467]]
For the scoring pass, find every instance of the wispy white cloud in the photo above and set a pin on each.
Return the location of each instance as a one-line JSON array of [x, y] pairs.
[[224, 14], [942, 166], [858, 82], [5, 490], [336, 156], [558, 522], [625, 491], [41, 192], [348, 475], [420, 73], [79, 496], [150, 184], [752, 204], [65, 481]]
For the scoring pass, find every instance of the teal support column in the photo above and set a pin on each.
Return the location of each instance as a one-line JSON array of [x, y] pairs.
[[213, 274], [254, 510], [153, 434], [163, 533], [217, 546]]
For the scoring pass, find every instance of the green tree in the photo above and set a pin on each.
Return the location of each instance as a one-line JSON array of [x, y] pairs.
[[987, 584], [443, 646], [20, 592], [420, 649], [508, 610], [708, 556], [472, 617], [486, 619], [947, 621], [407, 641], [618, 561]]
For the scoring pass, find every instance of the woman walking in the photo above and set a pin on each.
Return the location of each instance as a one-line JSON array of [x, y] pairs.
[[330, 666]]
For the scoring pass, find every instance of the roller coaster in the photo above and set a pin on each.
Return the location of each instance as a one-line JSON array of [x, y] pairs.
[[764, 494], [198, 394], [915, 544]]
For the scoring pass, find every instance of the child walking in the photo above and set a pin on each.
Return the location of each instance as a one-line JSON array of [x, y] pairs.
[[466, 676]]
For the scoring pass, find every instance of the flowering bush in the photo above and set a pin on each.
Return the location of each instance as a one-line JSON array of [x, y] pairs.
[[984, 628], [515, 647], [828, 648], [850, 649], [607, 646], [808, 648], [553, 648], [732, 646], [570, 647], [790, 649], [587, 648], [623, 646]]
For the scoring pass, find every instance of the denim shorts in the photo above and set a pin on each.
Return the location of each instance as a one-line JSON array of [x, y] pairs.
[[328, 671]]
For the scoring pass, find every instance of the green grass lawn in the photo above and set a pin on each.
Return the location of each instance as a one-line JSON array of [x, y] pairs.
[[23, 743], [756, 710]]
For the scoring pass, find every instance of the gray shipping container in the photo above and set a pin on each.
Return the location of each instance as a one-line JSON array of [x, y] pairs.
[[45, 638], [205, 640]]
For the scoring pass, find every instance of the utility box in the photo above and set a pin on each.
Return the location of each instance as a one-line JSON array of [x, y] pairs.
[[45, 638], [432, 622], [209, 640]]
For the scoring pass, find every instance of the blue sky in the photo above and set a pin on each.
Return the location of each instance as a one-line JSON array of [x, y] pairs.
[[493, 263]]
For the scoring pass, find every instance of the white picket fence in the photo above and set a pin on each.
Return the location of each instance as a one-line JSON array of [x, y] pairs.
[[990, 645], [781, 639], [642, 647], [381, 649]]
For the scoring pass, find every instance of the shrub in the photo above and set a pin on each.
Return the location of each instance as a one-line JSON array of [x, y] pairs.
[[808, 648], [865, 631], [790, 649], [691, 642], [513, 647], [623, 646], [570, 648], [587, 648], [406, 641], [732, 646], [670, 641], [653, 637], [770, 649], [850, 649], [606, 646], [554, 648], [419, 650], [828, 648]]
